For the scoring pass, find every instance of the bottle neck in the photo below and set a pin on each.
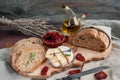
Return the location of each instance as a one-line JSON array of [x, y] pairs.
[[71, 15]]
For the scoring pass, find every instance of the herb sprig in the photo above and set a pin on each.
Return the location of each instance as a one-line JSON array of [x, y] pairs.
[[32, 55]]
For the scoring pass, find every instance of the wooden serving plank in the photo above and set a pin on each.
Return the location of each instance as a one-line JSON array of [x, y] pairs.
[[89, 55]]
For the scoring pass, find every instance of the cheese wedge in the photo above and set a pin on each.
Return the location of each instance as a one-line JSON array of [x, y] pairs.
[[59, 57]]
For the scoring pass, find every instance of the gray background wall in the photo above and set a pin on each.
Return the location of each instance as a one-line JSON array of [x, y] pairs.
[[97, 9]]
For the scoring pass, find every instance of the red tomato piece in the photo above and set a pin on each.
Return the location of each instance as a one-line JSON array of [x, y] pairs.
[[44, 70], [74, 71], [100, 75], [80, 57]]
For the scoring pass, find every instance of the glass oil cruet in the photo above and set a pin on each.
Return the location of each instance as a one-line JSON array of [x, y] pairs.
[[72, 25]]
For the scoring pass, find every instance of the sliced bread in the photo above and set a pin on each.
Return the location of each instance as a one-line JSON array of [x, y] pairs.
[[29, 59], [27, 54]]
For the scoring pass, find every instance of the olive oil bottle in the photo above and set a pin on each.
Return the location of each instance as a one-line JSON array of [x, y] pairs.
[[71, 29], [72, 25]]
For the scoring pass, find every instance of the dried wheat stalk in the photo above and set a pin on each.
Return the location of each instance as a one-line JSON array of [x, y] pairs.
[[34, 27]]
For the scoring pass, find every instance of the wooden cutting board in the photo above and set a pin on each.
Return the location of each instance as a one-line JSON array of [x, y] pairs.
[[89, 55]]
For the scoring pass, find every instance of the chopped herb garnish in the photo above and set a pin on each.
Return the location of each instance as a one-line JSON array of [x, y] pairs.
[[67, 54], [32, 55]]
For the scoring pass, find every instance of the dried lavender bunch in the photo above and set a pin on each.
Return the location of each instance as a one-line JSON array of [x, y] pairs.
[[33, 27]]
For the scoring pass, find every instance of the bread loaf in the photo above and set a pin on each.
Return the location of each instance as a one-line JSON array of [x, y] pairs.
[[93, 39]]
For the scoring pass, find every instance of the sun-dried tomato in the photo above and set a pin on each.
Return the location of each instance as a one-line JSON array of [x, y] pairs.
[[44, 70], [80, 57], [74, 71], [53, 39], [100, 75]]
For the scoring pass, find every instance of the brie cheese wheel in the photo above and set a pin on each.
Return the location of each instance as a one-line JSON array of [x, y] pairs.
[[60, 57]]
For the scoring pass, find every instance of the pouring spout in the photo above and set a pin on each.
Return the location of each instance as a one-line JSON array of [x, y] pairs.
[[71, 14]]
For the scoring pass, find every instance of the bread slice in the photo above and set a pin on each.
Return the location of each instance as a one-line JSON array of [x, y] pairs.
[[21, 53], [93, 39], [15, 50], [29, 59]]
